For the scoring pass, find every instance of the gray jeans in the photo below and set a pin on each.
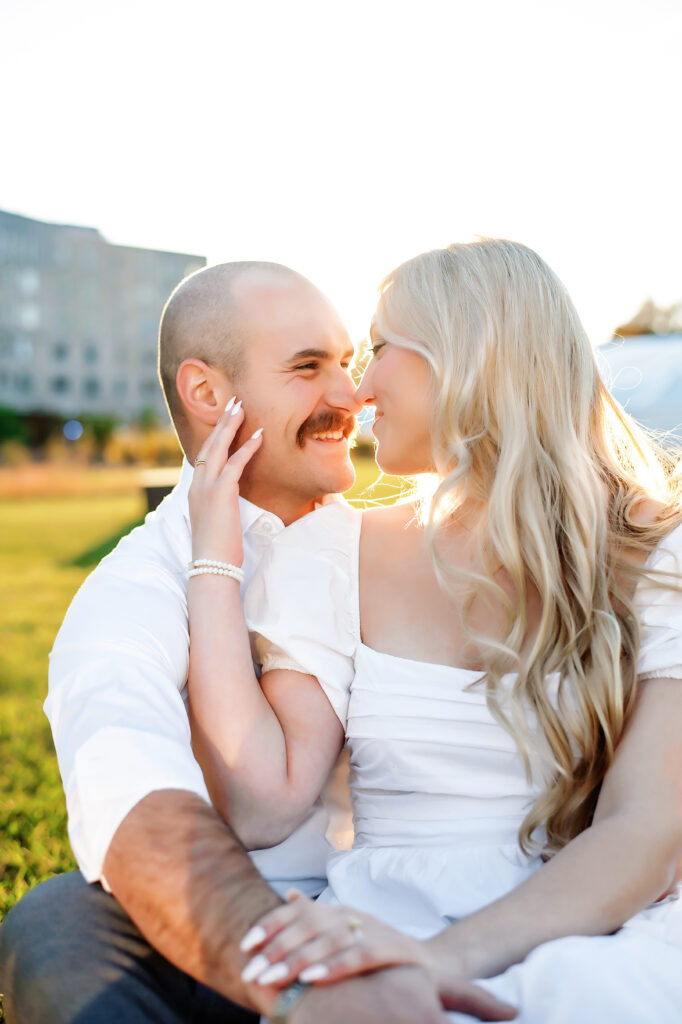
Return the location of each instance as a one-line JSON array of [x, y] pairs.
[[69, 954]]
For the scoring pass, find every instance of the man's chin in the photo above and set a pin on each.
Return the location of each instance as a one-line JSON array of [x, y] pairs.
[[334, 470], [337, 482]]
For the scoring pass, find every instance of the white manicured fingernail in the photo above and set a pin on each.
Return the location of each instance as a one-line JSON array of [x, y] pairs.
[[236, 408], [316, 972], [253, 938], [230, 403], [255, 967], [276, 973], [257, 433]]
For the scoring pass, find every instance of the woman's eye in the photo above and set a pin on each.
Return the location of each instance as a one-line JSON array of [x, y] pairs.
[[377, 348]]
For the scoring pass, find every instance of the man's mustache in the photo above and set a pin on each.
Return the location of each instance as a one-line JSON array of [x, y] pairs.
[[323, 423]]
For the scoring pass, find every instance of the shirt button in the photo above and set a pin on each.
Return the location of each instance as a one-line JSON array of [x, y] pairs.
[[268, 527]]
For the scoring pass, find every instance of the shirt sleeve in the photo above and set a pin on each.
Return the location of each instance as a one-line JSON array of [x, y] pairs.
[[302, 604], [658, 602], [117, 673]]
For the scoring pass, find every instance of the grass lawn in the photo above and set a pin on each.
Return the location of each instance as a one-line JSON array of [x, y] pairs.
[[48, 545]]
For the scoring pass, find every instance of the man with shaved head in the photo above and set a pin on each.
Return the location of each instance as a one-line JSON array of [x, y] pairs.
[[150, 931]]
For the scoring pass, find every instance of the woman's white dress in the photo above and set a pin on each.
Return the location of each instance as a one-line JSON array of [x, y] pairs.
[[438, 788]]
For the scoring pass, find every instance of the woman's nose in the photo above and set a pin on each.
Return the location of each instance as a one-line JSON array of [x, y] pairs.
[[365, 393]]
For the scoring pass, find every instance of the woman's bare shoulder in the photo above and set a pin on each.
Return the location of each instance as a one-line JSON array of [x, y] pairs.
[[385, 529], [646, 512], [392, 518]]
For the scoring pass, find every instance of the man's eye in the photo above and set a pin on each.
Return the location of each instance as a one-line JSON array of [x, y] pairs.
[[307, 366]]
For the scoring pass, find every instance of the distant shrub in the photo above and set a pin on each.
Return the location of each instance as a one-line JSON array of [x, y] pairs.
[[14, 453], [364, 448], [58, 451], [150, 447]]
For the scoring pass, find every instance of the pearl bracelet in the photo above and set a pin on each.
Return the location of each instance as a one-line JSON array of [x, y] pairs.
[[204, 566]]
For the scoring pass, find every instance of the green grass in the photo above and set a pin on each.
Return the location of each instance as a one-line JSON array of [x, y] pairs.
[[47, 547], [42, 544]]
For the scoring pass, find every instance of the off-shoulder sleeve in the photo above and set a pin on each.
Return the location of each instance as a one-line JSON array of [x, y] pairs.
[[658, 602], [302, 604]]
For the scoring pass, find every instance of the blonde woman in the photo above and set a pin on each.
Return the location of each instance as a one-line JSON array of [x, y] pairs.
[[504, 661]]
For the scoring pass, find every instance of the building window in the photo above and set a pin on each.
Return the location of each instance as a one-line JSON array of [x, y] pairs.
[[60, 352], [148, 387], [23, 384], [28, 280], [90, 355], [60, 385], [91, 387], [28, 316], [22, 349]]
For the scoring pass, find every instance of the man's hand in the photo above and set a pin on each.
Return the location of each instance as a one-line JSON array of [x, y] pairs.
[[401, 995], [398, 995], [327, 943]]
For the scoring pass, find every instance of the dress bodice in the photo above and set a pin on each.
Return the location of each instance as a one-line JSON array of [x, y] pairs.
[[429, 762]]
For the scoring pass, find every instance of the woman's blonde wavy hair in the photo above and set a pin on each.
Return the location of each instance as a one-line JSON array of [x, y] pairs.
[[523, 424]]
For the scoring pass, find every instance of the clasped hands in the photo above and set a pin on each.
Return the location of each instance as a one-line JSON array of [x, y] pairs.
[[322, 943]]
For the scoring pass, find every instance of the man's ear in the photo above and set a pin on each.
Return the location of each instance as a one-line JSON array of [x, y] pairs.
[[202, 390]]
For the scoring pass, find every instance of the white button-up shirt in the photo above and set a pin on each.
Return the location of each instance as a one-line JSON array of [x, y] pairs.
[[117, 691]]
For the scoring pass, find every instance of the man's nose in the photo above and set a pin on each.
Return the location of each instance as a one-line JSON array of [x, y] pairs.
[[343, 395]]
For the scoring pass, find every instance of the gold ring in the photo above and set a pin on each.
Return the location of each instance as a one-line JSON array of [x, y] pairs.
[[354, 923], [199, 462]]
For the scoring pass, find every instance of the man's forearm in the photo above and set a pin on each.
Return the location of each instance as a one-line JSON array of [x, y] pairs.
[[190, 887], [188, 884]]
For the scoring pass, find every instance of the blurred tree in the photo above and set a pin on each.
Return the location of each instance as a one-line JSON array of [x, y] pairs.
[[147, 420], [652, 319], [41, 426], [99, 430], [99, 427], [12, 426]]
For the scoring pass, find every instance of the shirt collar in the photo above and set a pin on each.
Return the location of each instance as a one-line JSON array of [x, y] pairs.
[[252, 516]]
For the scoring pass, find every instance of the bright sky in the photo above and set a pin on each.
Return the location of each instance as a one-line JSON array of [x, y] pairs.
[[344, 136]]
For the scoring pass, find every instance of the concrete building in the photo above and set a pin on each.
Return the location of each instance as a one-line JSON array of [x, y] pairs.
[[79, 319]]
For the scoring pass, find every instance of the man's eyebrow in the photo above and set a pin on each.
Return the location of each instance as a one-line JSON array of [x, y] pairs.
[[316, 353]]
